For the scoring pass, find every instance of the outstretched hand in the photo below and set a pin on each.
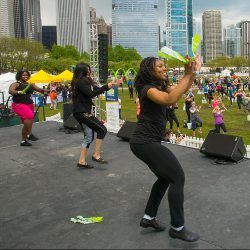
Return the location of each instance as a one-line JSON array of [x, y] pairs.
[[193, 66]]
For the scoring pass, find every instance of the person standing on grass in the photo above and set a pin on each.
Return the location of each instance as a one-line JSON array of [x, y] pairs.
[[218, 119], [171, 117], [188, 101], [210, 95], [131, 89], [239, 98], [145, 143], [194, 110], [23, 105], [53, 98], [216, 101]]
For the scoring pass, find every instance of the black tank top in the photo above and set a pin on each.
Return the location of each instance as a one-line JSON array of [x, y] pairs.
[[151, 124], [24, 98]]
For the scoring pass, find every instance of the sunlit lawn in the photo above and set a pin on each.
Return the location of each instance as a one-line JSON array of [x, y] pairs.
[[235, 122]]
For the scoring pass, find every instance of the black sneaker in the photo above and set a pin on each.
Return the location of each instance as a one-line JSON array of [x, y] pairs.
[[25, 143], [32, 138], [152, 223]]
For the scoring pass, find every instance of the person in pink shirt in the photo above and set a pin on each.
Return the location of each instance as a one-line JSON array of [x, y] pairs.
[[215, 102], [218, 119]]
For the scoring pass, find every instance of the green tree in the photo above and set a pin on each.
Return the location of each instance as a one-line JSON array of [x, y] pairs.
[[119, 54], [20, 53], [68, 51]]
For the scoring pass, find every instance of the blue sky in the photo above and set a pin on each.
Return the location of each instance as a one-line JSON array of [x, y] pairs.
[[232, 10]]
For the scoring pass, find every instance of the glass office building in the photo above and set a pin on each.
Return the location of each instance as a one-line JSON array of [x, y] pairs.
[[179, 30], [232, 41], [135, 25], [72, 22]]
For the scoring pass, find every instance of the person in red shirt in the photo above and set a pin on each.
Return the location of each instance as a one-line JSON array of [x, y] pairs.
[[53, 98]]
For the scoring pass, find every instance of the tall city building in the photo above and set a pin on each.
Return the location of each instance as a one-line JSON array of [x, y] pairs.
[[212, 35], [232, 41], [135, 25], [73, 18], [92, 12], [27, 19], [6, 18], [109, 30], [19, 19], [49, 36], [179, 30], [245, 39]]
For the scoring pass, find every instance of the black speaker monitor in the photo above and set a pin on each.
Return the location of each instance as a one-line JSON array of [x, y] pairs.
[[127, 130], [67, 110], [224, 146], [72, 123]]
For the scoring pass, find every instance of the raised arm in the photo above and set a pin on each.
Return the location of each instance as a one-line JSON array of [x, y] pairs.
[[176, 93]]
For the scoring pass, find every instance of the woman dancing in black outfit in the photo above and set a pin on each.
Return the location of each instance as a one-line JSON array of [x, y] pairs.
[[83, 90], [146, 143]]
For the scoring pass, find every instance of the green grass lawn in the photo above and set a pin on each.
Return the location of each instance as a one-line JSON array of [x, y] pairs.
[[235, 122]]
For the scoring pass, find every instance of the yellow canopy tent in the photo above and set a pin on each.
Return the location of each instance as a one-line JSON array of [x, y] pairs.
[[40, 77], [64, 76]]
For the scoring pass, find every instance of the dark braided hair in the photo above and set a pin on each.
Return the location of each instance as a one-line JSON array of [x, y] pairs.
[[146, 74]]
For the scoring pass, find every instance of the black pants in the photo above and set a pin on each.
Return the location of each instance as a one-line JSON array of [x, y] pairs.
[[171, 118], [131, 92], [93, 123], [220, 126], [188, 114], [64, 98], [168, 170]]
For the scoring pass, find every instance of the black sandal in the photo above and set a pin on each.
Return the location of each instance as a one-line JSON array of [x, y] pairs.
[[85, 166], [100, 160]]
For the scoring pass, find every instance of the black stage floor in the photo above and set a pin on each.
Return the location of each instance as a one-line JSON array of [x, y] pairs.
[[41, 189]]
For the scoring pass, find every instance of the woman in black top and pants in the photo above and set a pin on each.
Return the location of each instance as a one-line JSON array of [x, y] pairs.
[[83, 90], [146, 143]]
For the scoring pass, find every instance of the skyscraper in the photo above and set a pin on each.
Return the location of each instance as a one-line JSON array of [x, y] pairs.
[[19, 19], [6, 18], [73, 19], [32, 21], [49, 36], [179, 30], [135, 25], [245, 38], [232, 41], [212, 34], [27, 19]]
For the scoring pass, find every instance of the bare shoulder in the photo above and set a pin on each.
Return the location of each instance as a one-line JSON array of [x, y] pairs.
[[14, 85]]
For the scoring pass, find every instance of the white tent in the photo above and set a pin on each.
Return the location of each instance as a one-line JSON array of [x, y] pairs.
[[5, 82], [225, 72]]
